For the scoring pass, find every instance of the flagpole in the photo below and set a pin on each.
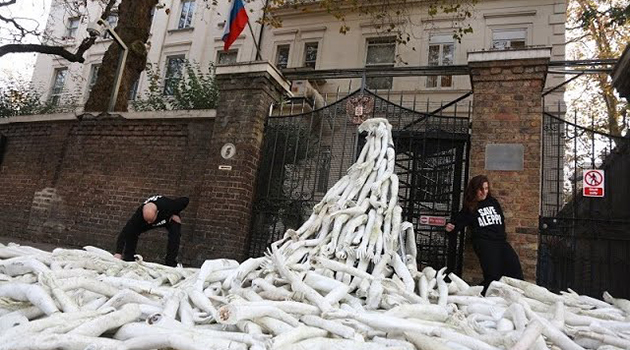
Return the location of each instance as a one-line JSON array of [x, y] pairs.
[[258, 55]]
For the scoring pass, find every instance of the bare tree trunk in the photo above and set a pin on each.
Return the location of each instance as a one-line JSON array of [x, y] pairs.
[[134, 24]]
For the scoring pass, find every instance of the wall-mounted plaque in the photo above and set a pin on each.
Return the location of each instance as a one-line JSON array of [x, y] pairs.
[[505, 156]]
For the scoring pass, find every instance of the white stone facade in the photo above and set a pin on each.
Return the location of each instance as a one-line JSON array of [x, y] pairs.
[[511, 23]]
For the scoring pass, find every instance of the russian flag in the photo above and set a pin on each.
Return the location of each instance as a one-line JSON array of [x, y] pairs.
[[235, 24]]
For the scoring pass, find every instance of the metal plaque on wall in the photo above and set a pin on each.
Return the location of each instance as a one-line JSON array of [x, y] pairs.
[[505, 156]]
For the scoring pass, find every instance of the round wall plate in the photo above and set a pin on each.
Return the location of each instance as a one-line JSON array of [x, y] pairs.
[[228, 151]]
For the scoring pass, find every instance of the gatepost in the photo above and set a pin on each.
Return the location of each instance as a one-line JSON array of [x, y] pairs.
[[247, 90], [506, 143]]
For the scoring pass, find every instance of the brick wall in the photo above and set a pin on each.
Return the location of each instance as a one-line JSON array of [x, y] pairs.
[[507, 109], [77, 182]]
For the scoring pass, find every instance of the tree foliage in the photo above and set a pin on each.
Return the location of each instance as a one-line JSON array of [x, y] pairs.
[[195, 90], [22, 98], [598, 30]]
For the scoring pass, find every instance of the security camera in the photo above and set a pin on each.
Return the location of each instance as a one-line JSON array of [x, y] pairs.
[[95, 28]]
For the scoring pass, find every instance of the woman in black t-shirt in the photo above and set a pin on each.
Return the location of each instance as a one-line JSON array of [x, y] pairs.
[[483, 214]]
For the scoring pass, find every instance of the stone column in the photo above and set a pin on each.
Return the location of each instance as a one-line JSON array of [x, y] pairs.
[[224, 215], [506, 143]]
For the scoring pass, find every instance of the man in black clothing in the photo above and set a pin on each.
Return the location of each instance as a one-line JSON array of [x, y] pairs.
[[156, 211]]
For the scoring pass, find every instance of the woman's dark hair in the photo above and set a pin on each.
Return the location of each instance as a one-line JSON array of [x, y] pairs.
[[470, 194]]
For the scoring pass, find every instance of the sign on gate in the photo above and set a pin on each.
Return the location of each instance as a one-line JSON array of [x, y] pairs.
[[593, 183], [432, 220]]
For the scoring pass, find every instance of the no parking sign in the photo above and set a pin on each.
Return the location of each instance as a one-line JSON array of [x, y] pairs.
[[593, 183]]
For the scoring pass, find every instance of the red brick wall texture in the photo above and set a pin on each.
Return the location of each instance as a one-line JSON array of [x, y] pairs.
[[77, 182], [507, 109]]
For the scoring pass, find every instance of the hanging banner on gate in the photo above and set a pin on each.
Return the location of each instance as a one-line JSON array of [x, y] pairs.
[[433, 220], [593, 183]]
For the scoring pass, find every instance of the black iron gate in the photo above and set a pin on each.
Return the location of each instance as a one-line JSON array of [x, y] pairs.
[[305, 154], [584, 241]]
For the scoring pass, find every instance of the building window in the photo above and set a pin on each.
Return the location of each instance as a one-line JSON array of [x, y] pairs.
[[59, 81], [112, 20], [381, 52], [133, 92], [282, 56], [441, 51], [174, 71], [93, 76], [509, 38], [310, 54], [227, 57], [72, 27], [186, 16]]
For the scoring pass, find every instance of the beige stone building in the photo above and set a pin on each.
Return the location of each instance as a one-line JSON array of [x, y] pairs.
[[191, 30], [311, 40]]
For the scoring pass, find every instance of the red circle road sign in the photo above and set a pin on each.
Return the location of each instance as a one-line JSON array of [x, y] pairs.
[[593, 178]]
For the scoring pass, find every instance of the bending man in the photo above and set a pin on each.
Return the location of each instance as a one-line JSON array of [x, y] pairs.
[[156, 211]]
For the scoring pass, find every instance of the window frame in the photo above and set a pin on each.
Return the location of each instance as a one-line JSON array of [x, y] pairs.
[[440, 40], [188, 17], [55, 95], [94, 69], [276, 56], [373, 42], [495, 31], [168, 81], [71, 32], [305, 62]]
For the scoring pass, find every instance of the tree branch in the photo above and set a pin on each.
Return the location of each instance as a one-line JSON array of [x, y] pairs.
[[51, 50], [7, 3]]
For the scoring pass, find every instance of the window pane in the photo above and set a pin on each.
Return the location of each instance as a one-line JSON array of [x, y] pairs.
[[93, 76], [381, 52], [380, 83], [174, 68], [434, 55], [73, 25], [227, 57], [58, 83], [185, 18], [447, 80], [60, 80], [133, 92], [517, 44], [282, 56], [499, 44], [310, 54], [432, 81], [447, 54]]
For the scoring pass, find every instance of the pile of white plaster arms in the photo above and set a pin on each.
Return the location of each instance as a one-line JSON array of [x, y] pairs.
[[346, 279]]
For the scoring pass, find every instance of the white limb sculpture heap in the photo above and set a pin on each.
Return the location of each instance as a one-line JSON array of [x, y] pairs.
[[346, 279]]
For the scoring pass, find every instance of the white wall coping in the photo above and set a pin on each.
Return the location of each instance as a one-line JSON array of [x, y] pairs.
[[256, 67], [179, 114], [151, 115], [506, 55], [38, 118]]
